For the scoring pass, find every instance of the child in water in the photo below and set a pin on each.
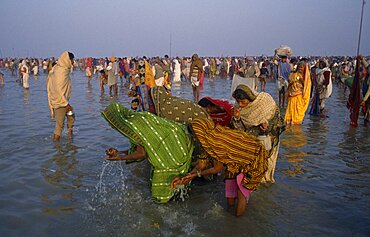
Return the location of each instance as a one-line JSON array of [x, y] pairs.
[[103, 80]]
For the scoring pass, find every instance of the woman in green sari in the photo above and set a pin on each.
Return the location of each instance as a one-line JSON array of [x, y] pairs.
[[165, 144]]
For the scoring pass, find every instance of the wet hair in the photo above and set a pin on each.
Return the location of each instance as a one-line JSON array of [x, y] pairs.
[[204, 102]]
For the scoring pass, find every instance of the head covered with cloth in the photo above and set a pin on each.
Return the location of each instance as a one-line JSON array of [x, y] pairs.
[[167, 145]]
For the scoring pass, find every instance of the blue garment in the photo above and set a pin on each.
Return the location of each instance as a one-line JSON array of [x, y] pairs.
[[315, 108], [284, 70]]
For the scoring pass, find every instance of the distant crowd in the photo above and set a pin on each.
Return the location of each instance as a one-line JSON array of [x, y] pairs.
[[187, 139]]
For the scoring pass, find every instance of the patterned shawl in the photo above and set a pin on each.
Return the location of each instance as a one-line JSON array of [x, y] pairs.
[[237, 150], [167, 145], [260, 110], [175, 108]]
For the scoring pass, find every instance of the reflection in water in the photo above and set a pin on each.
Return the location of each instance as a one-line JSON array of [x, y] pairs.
[[89, 94], [26, 96], [320, 139], [61, 172], [353, 146], [293, 141]]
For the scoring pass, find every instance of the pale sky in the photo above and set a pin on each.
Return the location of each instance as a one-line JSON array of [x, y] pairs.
[[99, 28]]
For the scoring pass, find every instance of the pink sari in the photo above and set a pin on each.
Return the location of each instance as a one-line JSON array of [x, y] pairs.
[[233, 185]]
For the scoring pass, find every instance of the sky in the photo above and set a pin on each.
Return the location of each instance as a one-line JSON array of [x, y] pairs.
[[99, 28]]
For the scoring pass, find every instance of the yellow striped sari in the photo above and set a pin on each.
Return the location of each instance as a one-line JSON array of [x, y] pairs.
[[237, 150]]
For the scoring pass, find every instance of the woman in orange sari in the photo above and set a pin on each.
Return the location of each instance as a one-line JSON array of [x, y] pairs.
[[299, 89]]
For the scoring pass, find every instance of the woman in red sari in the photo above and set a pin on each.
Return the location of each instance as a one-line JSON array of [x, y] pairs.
[[219, 110]]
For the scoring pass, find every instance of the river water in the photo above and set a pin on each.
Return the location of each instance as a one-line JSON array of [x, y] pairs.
[[67, 188]]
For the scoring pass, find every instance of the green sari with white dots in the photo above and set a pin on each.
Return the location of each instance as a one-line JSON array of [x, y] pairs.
[[167, 145]]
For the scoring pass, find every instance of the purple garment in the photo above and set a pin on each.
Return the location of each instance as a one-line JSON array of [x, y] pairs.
[[121, 67]]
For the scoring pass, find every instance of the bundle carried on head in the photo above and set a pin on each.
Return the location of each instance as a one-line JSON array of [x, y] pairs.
[[283, 51]]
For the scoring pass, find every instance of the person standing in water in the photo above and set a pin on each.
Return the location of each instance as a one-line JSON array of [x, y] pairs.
[[196, 69], [59, 93], [113, 76], [299, 89], [25, 74], [282, 79]]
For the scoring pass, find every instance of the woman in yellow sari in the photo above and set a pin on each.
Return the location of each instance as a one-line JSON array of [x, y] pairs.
[[299, 89]]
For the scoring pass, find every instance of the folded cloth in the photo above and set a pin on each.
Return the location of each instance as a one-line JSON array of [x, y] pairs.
[[194, 81]]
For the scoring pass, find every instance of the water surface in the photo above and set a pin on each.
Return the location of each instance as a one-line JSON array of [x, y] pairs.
[[67, 188]]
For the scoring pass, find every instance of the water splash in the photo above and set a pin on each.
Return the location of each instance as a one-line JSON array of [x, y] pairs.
[[181, 192], [215, 212], [99, 186]]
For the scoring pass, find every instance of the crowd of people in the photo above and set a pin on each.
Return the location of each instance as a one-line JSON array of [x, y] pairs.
[[185, 139]]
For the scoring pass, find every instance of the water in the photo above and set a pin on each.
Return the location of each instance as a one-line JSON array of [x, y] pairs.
[[67, 189]]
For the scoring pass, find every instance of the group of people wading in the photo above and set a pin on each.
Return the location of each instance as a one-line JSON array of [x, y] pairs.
[[186, 139]]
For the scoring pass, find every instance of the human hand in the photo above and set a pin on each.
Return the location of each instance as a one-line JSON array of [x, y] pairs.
[[52, 115], [112, 153], [236, 112], [176, 181], [69, 108]]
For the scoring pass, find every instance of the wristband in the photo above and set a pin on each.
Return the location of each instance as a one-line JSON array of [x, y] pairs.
[[199, 173]]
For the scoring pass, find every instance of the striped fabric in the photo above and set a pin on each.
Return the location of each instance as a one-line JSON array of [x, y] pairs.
[[237, 150], [167, 145]]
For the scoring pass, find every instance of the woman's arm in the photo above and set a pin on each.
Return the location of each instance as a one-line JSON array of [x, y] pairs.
[[216, 168], [138, 154]]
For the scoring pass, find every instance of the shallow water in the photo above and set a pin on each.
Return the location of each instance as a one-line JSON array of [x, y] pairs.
[[67, 188]]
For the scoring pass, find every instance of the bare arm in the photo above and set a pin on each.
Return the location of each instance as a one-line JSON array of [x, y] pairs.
[[138, 154], [199, 171]]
